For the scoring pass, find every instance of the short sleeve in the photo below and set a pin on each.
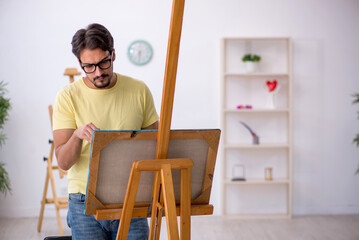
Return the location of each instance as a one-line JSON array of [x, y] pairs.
[[150, 115], [63, 114]]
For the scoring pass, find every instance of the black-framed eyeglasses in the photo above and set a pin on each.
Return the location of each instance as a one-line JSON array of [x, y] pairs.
[[103, 64]]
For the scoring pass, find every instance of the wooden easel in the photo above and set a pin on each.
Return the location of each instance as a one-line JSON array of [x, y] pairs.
[[164, 132], [162, 146], [162, 192], [59, 202]]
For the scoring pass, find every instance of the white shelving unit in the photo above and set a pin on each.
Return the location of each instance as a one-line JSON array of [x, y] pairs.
[[256, 197]]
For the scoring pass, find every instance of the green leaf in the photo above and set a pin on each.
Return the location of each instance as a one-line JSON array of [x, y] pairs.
[[356, 98], [4, 113], [356, 140], [256, 58], [2, 88], [247, 57], [251, 58], [4, 180], [4, 110]]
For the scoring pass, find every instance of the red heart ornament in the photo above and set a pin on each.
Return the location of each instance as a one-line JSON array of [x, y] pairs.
[[272, 85]]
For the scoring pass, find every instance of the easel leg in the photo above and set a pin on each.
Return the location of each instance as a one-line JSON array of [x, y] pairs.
[[155, 208], [56, 201], [169, 202], [128, 205], [59, 221], [43, 202], [159, 219], [185, 210]]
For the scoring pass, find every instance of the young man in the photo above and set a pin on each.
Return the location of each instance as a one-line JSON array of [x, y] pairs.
[[101, 100]]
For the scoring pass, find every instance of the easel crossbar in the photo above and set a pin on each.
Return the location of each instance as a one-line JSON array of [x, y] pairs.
[[142, 212], [151, 165]]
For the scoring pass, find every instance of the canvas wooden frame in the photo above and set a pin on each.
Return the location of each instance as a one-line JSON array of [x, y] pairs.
[[102, 139]]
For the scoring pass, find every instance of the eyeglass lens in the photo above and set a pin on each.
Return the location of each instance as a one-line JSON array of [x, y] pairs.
[[104, 64]]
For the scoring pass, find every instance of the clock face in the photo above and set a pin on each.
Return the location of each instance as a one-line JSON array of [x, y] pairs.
[[139, 52]]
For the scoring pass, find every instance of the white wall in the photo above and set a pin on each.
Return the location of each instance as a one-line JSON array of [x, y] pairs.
[[35, 49]]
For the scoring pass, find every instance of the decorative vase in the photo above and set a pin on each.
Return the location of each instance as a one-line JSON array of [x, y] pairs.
[[270, 100], [251, 67], [273, 88]]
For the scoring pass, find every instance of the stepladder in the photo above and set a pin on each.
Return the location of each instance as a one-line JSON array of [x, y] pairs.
[[58, 202]]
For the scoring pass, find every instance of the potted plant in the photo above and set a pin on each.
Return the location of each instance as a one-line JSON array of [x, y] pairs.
[[356, 139], [251, 62], [4, 108]]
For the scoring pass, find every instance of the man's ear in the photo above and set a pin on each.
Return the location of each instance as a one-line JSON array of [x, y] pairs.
[[113, 55]]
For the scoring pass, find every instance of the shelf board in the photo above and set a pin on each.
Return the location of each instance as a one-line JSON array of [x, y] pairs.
[[258, 74], [254, 146], [262, 110], [257, 181]]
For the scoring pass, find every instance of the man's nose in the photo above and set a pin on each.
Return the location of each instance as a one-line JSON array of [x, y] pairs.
[[98, 71]]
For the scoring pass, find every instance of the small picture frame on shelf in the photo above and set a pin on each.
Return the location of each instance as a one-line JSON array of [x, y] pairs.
[[268, 174], [238, 172]]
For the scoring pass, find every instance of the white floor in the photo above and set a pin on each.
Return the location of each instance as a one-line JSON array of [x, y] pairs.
[[339, 227]]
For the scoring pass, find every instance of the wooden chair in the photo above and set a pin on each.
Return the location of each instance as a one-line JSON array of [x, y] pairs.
[[59, 202]]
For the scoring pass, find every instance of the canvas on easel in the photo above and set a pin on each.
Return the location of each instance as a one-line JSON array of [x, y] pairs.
[[112, 155]]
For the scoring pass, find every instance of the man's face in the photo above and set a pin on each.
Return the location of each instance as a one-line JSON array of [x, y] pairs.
[[100, 62]]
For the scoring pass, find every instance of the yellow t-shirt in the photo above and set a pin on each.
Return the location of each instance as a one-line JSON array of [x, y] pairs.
[[126, 106]]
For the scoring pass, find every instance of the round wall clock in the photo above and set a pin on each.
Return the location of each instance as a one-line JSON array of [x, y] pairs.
[[139, 52]]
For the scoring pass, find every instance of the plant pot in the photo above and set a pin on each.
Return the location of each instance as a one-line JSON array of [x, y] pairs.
[[251, 67]]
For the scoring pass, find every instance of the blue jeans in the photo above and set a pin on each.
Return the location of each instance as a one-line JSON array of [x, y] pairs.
[[86, 227]]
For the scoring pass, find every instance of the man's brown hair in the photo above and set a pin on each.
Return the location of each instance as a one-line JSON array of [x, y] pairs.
[[92, 37]]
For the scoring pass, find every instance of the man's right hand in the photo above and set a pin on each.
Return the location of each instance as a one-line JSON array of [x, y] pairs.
[[68, 144], [85, 132]]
